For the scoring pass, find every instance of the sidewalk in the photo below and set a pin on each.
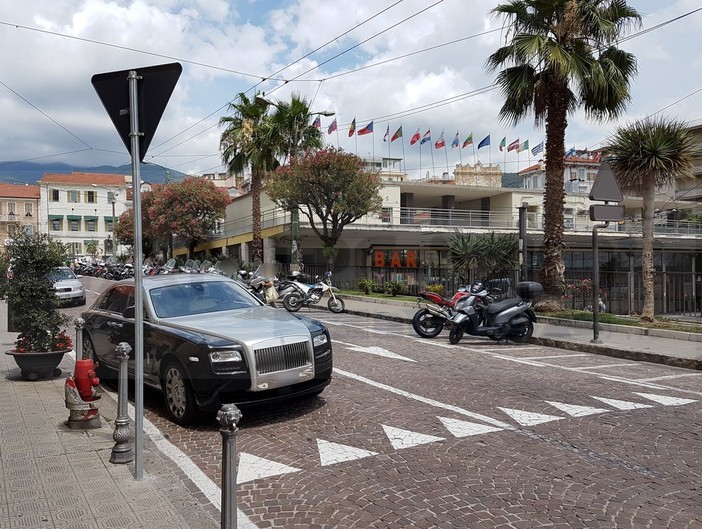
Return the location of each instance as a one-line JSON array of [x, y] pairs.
[[674, 348], [53, 477]]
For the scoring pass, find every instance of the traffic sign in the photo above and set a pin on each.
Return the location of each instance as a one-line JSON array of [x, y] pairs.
[[606, 212], [605, 187], [154, 88]]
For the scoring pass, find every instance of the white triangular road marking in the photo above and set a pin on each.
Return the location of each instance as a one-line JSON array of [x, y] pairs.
[[332, 453], [460, 428], [622, 404], [406, 439], [378, 351], [576, 411], [665, 400], [253, 467], [528, 418]]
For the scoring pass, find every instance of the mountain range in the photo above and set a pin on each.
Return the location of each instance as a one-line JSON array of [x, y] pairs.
[[31, 173]]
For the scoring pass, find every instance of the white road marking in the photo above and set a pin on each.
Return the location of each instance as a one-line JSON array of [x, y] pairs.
[[528, 418], [400, 438], [252, 467], [549, 357], [665, 400], [425, 400], [605, 366], [332, 453], [379, 351], [576, 411], [622, 404], [459, 428], [668, 377]]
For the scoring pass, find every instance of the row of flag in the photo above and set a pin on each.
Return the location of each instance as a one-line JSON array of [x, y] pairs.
[[516, 145]]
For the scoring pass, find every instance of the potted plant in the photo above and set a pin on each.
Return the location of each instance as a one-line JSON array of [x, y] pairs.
[[33, 308]]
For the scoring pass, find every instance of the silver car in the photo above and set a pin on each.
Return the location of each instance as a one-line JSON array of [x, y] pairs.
[[68, 287], [208, 341]]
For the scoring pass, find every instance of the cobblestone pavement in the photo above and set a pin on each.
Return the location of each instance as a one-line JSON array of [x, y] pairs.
[[421, 433]]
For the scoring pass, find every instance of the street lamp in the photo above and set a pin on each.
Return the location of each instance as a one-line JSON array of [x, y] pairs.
[[294, 211]]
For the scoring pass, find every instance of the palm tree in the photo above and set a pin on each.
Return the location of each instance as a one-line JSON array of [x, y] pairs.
[[560, 57], [246, 142], [645, 156], [292, 133]]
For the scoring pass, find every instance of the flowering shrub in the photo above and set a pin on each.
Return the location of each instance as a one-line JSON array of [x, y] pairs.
[[580, 292], [60, 342]]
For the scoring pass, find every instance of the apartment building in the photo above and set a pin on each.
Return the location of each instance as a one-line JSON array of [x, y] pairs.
[[19, 206]]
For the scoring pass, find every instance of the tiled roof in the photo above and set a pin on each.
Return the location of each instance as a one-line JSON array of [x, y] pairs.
[[19, 191], [84, 179]]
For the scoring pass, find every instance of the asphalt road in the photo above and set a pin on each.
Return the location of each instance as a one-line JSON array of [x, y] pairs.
[[421, 433]]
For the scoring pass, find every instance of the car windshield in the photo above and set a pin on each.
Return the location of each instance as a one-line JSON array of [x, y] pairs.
[[198, 298], [61, 274]]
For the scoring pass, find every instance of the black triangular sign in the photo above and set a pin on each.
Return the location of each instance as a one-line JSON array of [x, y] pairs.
[[605, 187], [155, 85]]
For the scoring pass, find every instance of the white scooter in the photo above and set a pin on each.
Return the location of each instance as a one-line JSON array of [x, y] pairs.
[[305, 295]]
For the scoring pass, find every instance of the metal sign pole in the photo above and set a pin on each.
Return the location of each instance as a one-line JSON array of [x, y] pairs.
[[138, 281], [596, 284]]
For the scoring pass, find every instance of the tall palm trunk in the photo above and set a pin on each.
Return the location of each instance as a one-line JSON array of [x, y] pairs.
[[648, 191], [552, 272], [257, 242]]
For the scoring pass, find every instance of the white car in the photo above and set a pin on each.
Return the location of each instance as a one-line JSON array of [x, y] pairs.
[[68, 287]]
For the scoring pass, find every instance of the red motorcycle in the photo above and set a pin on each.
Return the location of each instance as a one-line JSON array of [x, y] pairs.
[[438, 312], [435, 311]]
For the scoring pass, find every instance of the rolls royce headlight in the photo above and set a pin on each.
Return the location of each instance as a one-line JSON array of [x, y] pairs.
[[228, 355], [319, 340]]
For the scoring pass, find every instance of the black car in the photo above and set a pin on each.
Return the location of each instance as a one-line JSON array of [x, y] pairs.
[[208, 341]]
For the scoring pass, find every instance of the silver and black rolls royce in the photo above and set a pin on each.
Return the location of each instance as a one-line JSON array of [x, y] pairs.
[[208, 341]]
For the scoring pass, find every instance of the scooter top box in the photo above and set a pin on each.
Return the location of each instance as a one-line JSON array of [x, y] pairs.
[[528, 289]]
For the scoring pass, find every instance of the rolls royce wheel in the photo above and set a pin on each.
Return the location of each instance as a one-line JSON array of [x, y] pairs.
[[178, 394]]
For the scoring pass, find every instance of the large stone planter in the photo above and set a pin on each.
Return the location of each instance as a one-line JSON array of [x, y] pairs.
[[38, 365]]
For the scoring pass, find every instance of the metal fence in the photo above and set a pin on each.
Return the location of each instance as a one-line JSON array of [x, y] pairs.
[[622, 292]]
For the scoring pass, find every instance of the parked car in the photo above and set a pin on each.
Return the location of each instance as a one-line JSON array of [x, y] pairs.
[[68, 287], [208, 341]]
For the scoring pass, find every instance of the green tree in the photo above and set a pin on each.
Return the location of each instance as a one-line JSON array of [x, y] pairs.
[[190, 208], [494, 253], [645, 156], [332, 190], [561, 56], [292, 130], [247, 143]]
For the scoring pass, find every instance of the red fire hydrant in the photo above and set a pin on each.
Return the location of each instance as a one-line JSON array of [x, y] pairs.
[[85, 379]]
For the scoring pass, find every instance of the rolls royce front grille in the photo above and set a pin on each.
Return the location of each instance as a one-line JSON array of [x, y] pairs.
[[281, 357]]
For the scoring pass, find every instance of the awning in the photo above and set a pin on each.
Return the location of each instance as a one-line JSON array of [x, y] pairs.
[[55, 217]]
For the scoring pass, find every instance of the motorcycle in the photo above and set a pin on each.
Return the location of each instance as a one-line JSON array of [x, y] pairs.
[[303, 294], [510, 319], [436, 311]]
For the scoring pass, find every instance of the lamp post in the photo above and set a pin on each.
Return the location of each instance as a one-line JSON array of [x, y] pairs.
[[295, 257], [114, 241]]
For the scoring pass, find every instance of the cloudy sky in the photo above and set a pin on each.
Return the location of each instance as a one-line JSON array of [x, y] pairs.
[[418, 64]]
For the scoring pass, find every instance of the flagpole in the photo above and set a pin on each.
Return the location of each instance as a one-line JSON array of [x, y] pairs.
[[337, 138], [446, 154], [433, 168], [420, 160], [403, 155]]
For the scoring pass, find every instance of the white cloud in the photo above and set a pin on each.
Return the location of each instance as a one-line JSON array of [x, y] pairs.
[[49, 70]]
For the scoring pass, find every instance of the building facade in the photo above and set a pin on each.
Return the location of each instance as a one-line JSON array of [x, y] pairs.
[[19, 209]]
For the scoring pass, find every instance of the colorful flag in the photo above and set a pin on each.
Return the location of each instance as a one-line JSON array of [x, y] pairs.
[[485, 141], [502, 143], [317, 123], [366, 130], [415, 138], [426, 137], [570, 153], [524, 146], [455, 141], [513, 146], [398, 134], [469, 141], [387, 133], [352, 128], [332, 127], [539, 148], [440, 143]]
